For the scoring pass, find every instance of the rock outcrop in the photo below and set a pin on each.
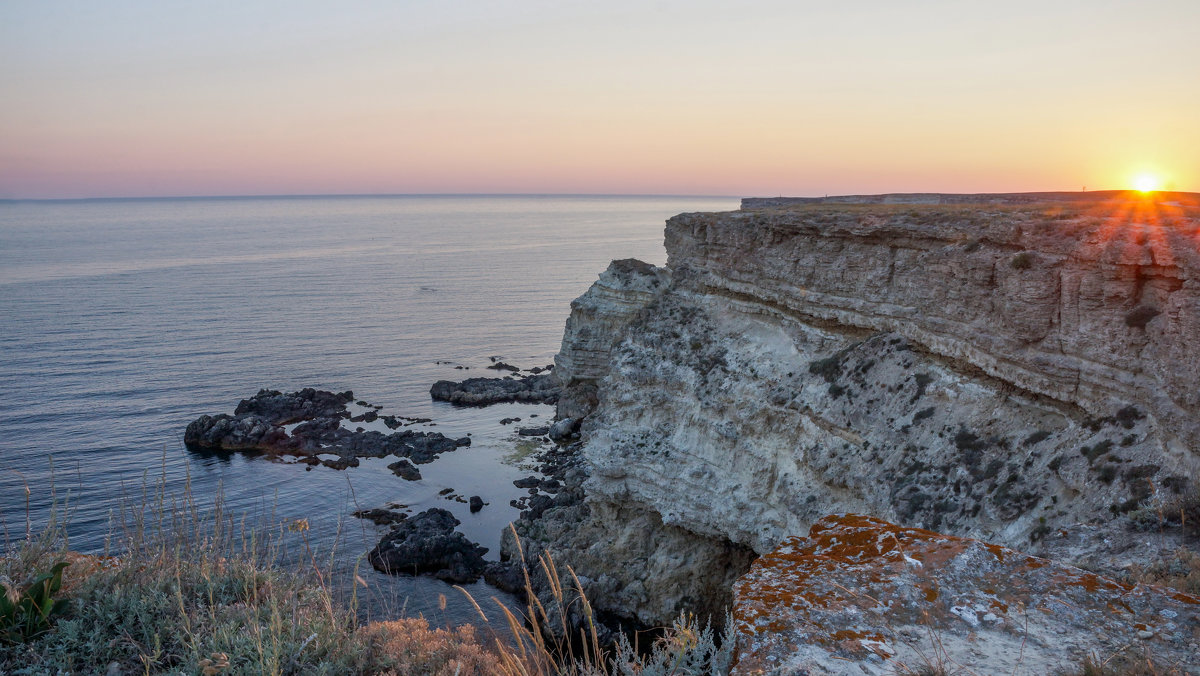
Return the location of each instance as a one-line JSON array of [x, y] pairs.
[[597, 322], [258, 424], [860, 595], [992, 371], [535, 389], [428, 544]]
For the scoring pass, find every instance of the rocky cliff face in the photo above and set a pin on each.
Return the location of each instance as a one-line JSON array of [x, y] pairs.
[[1001, 372]]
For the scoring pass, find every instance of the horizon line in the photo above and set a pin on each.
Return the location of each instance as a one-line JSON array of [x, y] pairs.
[[165, 198]]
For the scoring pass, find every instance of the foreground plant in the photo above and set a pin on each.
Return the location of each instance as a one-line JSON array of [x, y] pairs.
[[27, 614]]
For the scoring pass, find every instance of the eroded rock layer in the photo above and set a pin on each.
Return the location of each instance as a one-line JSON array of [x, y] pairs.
[[995, 371]]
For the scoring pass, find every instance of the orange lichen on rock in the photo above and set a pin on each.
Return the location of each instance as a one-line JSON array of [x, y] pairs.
[[865, 590]]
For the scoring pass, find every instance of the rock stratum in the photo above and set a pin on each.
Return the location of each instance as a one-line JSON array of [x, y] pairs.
[[1022, 372]]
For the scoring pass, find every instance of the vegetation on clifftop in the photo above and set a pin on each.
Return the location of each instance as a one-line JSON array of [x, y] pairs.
[[197, 593]]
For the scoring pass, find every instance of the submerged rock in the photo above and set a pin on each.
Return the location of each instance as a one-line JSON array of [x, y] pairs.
[[405, 470], [537, 389], [428, 544], [861, 595], [380, 516]]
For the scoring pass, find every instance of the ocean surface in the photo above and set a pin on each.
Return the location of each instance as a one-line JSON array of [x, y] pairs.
[[121, 321]]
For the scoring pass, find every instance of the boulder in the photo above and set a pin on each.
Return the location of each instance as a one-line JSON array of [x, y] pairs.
[[405, 470], [562, 430], [428, 544]]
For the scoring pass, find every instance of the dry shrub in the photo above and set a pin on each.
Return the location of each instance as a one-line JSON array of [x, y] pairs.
[[1181, 571], [409, 647]]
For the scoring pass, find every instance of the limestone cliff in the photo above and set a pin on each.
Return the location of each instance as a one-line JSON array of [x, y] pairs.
[[993, 371]]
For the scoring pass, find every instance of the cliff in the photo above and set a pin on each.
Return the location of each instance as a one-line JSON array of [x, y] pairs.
[[1014, 372]]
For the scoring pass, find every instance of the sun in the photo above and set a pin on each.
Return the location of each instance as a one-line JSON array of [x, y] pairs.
[[1146, 183]]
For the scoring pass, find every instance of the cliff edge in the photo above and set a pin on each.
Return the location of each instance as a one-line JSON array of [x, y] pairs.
[[1022, 372]]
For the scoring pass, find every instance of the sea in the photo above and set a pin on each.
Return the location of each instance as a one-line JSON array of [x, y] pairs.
[[122, 320]]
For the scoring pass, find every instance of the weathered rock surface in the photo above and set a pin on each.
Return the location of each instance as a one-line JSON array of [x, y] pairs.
[[983, 370], [597, 322], [428, 543], [258, 425], [860, 595], [536, 389]]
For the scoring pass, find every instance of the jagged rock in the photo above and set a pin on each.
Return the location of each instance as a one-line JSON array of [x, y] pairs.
[[306, 404], [404, 469], [501, 366], [527, 482], [428, 543], [258, 425], [534, 431], [541, 389], [860, 595], [476, 503]]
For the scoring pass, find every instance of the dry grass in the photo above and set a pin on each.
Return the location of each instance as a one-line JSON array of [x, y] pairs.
[[194, 591]]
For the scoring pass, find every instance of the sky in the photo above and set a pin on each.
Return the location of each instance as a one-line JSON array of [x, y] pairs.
[[164, 98]]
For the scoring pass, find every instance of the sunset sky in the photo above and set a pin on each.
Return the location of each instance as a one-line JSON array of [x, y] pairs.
[[123, 98]]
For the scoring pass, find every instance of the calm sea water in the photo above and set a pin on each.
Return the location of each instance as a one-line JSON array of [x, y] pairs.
[[122, 321]]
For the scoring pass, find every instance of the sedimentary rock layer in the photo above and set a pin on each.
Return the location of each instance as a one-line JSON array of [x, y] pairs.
[[995, 371]]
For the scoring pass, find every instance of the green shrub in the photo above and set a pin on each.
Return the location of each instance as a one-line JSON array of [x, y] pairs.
[[28, 614]]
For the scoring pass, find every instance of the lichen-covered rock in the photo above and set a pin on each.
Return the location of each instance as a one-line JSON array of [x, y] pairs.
[[863, 596]]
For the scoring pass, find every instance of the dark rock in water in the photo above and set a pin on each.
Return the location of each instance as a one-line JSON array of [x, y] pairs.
[[476, 503], [369, 416], [397, 421], [563, 429], [505, 576], [446, 491], [256, 426], [245, 433], [527, 482], [543, 389], [428, 543], [381, 517], [509, 421], [340, 462], [533, 431], [307, 404], [501, 366], [405, 470]]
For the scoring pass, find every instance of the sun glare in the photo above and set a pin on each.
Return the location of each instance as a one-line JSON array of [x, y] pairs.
[[1147, 183]]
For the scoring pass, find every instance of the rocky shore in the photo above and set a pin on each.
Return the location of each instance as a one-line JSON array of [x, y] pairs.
[[867, 430]]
